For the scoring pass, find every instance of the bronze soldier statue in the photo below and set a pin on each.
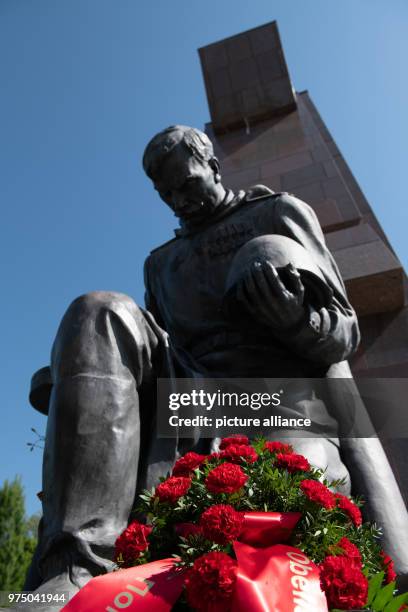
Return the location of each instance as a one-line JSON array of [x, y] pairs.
[[101, 443]]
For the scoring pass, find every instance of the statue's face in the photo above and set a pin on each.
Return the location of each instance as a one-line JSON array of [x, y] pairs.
[[189, 186]]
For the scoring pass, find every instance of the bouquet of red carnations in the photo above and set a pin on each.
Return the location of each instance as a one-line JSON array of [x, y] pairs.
[[256, 527]]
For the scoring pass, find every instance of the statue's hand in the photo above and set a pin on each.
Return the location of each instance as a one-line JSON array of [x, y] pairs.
[[272, 302]]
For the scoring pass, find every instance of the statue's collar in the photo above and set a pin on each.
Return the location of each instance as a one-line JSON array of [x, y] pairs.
[[229, 202]]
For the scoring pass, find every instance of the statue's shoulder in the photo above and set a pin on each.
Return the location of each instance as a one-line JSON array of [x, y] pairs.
[[160, 251], [278, 205], [263, 201], [164, 245], [290, 205], [284, 200], [257, 193]]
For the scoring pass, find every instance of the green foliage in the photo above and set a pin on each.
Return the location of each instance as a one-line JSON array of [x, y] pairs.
[[382, 598], [17, 536]]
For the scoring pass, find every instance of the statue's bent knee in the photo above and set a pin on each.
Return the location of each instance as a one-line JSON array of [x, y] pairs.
[[104, 333], [89, 306]]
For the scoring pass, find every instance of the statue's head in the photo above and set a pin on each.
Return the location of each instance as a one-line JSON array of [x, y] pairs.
[[180, 161]]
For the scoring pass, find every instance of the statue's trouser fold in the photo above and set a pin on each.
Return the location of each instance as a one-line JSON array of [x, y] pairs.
[[371, 474], [375, 482], [90, 462], [106, 352]]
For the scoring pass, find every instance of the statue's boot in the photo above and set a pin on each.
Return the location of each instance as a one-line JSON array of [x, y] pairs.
[[105, 351]]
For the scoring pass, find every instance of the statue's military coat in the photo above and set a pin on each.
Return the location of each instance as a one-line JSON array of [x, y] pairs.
[[185, 285]]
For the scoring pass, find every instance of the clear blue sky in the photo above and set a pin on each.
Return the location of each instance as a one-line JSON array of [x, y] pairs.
[[85, 83]]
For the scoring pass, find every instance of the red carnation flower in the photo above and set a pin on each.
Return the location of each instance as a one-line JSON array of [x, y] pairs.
[[388, 565], [236, 452], [210, 582], [350, 508], [344, 584], [292, 462], [237, 439], [187, 464], [319, 493], [213, 456], [350, 551], [185, 530], [221, 523], [278, 447], [131, 543], [171, 489], [226, 478]]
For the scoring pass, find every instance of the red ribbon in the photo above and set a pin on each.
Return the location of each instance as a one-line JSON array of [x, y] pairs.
[[278, 578], [151, 587], [266, 528], [271, 577]]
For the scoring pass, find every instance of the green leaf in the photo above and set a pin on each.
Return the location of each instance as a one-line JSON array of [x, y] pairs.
[[396, 603], [383, 597], [17, 536], [374, 586]]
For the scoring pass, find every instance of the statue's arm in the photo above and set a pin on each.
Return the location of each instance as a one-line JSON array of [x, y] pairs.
[[150, 301], [331, 334]]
